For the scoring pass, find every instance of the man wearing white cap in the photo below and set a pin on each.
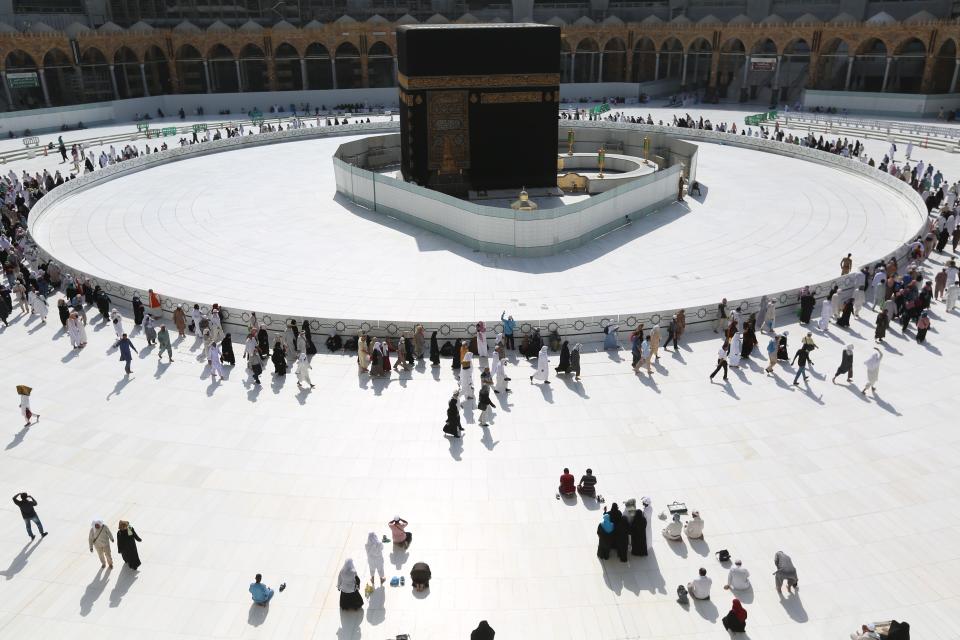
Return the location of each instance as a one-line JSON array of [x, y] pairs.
[[867, 632]]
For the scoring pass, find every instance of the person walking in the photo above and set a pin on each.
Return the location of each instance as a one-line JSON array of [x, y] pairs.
[[127, 540], [348, 584], [846, 264], [846, 364], [215, 359], [24, 392], [509, 324], [483, 632], [883, 321], [721, 320], [180, 320], [100, 538], [803, 358], [76, 330], [873, 370], [434, 350], [575, 360], [27, 505], [772, 347], [375, 557], [722, 354], [452, 426], [303, 371], [485, 404], [125, 346], [671, 334], [923, 325], [543, 366], [163, 340]]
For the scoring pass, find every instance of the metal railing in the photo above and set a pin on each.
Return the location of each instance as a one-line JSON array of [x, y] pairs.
[[889, 127]]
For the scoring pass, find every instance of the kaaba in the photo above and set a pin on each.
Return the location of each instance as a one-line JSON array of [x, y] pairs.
[[478, 106]]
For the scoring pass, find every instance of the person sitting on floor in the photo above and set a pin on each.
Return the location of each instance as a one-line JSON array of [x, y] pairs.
[[420, 576], [588, 484], [867, 632], [694, 526], [738, 579], [736, 619], [567, 483], [672, 531], [699, 587], [260, 592]]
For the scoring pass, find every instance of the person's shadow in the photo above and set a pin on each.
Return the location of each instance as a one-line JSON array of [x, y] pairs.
[[794, 608], [93, 591], [118, 388], [349, 625], [376, 612], [18, 437], [456, 448], [257, 614], [19, 562], [700, 546], [488, 440], [399, 556], [127, 577], [706, 609]]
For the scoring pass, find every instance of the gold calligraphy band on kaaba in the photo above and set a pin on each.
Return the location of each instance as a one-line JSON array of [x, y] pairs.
[[510, 97], [419, 83]]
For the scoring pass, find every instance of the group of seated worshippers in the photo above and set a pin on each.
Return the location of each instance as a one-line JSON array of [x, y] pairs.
[[694, 527], [586, 487]]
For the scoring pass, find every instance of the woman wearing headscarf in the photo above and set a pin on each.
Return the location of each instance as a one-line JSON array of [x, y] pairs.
[[401, 354], [466, 375], [180, 320], [923, 325], [127, 540], [483, 632], [456, 357], [575, 359], [637, 527], [263, 340], [604, 537], [308, 338], [420, 576], [149, 328], [363, 356], [482, 339], [279, 357], [621, 533], [749, 338], [100, 538], [452, 426], [844, 320], [543, 366], [385, 352], [137, 310], [785, 572], [434, 350], [64, 311], [673, 531], [873, 370], [408, 352], [736, 619], [846, 364], [419, 341], [610, 337], [376, 359], [485, 403], [290, 339], [782, 350], [226, 350], [655, 341], [303, 371], [348, 583], [375, 556], [807, 303], [78, 335], [564, 366]]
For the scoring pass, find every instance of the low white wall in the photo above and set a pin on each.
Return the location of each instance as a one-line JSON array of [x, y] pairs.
[[596, 91], [887, 104], [699, 318]]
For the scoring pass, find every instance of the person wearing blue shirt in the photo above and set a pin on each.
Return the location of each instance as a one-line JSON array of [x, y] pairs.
[[508, 325], [261, 593]]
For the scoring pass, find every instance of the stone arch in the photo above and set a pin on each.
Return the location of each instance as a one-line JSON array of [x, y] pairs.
[[63, 78], [253, 69], [586, 61], [95, 71], [222, 64], [126, 73], [699, 58], [730, 68], [286, 60], [794, 69], [190, 70], [347, 65], [156, 69], [319, 66], [765, 47], [613, 61], [644, 60], [833, 62], [869, 65], [907, 66], [945, 67], [380, 65], [671, 59], [566, 61]]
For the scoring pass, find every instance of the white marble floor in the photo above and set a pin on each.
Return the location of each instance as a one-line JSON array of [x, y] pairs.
[[222, 480], [263, 228]]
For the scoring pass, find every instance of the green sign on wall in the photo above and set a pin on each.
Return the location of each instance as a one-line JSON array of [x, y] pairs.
[[169, 131], [27, 80]]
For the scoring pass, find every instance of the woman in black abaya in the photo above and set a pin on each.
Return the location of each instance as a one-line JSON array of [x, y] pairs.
[[844, 320], [807, 303], [308, 338], [263, 341], [226, 350], [456, 357], [564, 366], [279, 357], [452, 426], [137, 310], [434, 350]]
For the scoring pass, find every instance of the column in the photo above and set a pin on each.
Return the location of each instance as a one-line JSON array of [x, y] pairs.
[[714, 67], [776, 74], [926, 81], [113, 81], [850, 61], [573, 67], [395, 71], [656, 67], [206, 74], [600, 68], [6, 88], [953, 81], [886, 74], [364, 71], [303, 74], [745, 87], [239, 76], [143, 78], [683, 74], [628, 70], [43, 85], [272, 81], [696, 69], [79, 75], [333, 71]]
